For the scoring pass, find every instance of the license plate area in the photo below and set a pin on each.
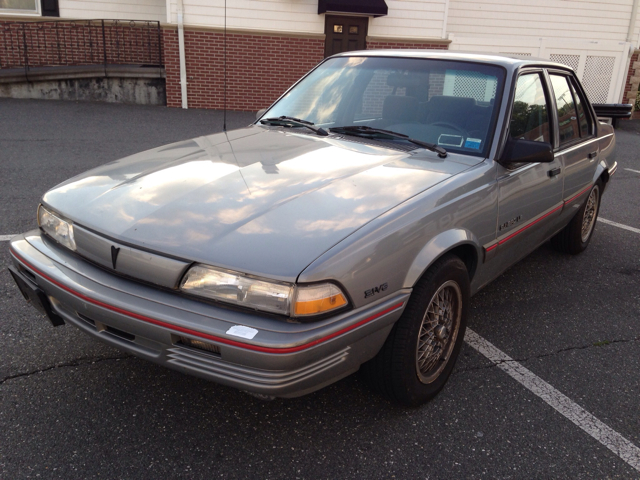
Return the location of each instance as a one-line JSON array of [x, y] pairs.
[[35, 296]]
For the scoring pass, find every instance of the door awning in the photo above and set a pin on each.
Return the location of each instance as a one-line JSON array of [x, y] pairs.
[[375, 8]]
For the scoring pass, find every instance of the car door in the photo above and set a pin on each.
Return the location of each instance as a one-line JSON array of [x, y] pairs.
[[577, 147], [529, 195]]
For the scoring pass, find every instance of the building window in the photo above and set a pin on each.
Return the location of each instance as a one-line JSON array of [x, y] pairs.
[[20, 7]]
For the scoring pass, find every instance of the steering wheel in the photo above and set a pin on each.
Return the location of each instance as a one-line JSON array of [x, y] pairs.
[[451, 126]]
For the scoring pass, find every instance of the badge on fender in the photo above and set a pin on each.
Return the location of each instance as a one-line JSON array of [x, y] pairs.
[[372, 291]]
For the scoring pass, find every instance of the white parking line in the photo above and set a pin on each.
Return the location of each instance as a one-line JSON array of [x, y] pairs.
[[608, 437], [619, 225], [6, 238], [632, 170]]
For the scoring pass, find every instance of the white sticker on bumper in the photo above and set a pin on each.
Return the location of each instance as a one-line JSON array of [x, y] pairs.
[[242, 331]]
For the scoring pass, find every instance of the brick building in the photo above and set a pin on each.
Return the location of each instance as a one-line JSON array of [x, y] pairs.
[[272, 43]]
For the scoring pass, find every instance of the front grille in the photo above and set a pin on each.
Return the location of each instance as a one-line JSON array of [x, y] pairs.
[[127, 261]]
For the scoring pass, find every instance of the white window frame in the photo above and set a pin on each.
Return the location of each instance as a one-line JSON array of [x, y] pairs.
[[27, 13]]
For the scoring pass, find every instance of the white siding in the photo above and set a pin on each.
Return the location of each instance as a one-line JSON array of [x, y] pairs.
[[570, 19], [550, 19], [114, 9], [636, 32], [588, 35], [407, 18], [410, 18], [299, 16]]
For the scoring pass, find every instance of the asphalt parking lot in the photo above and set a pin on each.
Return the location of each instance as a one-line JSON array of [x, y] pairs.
[[73, 408]]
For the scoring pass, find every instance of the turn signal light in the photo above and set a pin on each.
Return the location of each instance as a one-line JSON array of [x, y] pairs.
[[316, 299]]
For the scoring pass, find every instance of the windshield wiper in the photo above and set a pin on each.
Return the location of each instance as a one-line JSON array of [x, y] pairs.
[[284, 120], [364, 131]]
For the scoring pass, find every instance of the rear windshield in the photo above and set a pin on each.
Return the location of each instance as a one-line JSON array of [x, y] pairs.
[[448, 103]]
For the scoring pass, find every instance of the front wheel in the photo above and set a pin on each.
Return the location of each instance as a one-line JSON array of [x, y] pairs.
[[575, 237], [421, 350]]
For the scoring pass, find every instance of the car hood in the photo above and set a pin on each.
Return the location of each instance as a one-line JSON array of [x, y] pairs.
[[264, 201]]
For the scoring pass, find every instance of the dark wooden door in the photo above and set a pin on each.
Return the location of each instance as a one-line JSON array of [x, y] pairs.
[[344, 34]]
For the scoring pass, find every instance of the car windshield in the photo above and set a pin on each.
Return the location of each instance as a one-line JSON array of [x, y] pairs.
[[447, 103]]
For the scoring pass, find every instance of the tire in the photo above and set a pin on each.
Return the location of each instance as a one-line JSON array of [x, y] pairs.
[[420, 352], [575, 237]]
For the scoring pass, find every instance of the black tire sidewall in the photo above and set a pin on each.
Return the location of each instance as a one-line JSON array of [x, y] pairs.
[[408, 388], [577, 245], [569, 239], [595, 217]]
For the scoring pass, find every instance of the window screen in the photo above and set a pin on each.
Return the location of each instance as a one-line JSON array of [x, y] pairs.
[[567, 116], [530, 117]]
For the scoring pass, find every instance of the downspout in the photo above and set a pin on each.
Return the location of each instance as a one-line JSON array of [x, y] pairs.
[[446, 18], [183, 62]]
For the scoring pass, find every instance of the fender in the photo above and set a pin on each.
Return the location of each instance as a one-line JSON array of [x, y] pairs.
[[601, 169], [435, 248], [606, 144]]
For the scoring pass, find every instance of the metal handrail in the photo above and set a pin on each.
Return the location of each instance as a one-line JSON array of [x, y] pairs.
[[80, 42]]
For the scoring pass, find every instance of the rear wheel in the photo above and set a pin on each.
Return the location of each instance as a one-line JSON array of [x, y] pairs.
[[420, 352], [575, 237]]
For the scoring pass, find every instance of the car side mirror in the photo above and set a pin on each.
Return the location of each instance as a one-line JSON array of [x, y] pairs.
[[260, 113], [518, 150]]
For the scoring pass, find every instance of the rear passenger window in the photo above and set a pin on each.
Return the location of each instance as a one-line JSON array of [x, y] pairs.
[[586, 125], [567, 115], [530, 115]]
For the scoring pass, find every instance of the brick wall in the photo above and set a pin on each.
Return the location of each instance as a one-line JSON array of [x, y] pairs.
[[633, 81], [259, 67], [171, 66], [77, 43]]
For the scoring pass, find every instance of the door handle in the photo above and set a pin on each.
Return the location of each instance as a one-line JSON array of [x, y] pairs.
[[593, 154], [554, 172]]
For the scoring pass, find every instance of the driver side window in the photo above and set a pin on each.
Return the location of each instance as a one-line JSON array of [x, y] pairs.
[[530, 114]]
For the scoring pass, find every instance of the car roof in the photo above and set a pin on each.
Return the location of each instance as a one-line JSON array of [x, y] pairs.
[[508, 61]]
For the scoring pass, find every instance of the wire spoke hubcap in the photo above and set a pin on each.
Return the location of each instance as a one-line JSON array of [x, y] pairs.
[[438, 331], [589, 217]]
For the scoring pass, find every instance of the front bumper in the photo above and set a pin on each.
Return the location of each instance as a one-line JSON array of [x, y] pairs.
[[283, 359]]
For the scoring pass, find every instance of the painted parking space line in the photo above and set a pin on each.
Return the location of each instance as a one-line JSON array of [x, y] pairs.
[[619, 225], [604, 434], [632, 170], [6, 238]]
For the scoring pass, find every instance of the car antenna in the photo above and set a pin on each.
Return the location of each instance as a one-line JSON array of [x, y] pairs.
[[224, 121], [224, 104]]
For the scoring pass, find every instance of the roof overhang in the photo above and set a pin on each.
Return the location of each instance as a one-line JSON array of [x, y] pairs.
[[374, 8]]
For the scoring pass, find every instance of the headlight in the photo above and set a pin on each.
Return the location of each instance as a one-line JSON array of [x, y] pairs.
[[58, 229], [269, 296], [236, 288]]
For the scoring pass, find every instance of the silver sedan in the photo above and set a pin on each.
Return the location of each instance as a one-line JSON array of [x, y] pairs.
[[346, 229]]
